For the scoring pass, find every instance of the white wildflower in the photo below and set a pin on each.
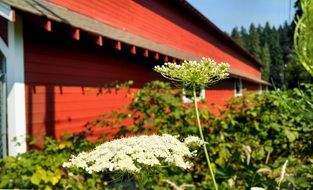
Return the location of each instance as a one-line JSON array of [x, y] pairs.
[[257, 188], [205, 72], [190, 140], [132, 153]]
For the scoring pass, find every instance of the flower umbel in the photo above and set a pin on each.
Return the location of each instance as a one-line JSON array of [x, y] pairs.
[[193, 140], [193, 74], [205, 72], [132, 153]]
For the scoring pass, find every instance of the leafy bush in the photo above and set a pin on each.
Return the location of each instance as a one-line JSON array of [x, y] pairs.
[[257, 133], [155, 109], [42, 169], [248, 142]]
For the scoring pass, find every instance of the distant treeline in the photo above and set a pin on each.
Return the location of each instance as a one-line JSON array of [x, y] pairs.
[[273, 48]]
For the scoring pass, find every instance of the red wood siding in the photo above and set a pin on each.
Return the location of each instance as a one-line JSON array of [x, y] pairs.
[[63, 79], [220, 93], [250, 86], [163, 22]]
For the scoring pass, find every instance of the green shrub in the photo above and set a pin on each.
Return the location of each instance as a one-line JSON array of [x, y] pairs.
[[155, 109], [262, 131], [42, 169], [248, 142]]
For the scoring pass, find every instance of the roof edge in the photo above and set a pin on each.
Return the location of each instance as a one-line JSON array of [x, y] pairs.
[[116, 34], [238, 74], [212, 26]]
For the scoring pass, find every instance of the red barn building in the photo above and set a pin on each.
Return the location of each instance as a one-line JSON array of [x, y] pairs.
[[55, 54]]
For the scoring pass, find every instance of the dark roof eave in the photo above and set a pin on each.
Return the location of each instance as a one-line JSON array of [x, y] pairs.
[[245, 76]]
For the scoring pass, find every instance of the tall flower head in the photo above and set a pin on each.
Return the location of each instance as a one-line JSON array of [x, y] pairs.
[[205, 72], [132, 153]]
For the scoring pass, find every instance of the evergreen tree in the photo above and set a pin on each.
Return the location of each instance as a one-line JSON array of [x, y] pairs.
[[265, 60], [274, 49], [285, 37], [277, 64], [266, 34], [259, 29], [244, 36], [235, 34], [253, 43]]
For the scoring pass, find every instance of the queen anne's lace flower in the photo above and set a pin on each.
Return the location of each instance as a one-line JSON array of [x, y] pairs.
[[193, 140], [205, 72], [132, 153]]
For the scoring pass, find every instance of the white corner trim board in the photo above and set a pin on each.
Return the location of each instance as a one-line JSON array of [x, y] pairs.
[[16, 89], [6, 12]]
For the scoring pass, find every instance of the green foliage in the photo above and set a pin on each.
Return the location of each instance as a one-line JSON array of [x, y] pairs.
[[42, 169], [249, 142], [155, 109], [265, 58], [273, 48], [295, 72], [303, 38], [237, 36], [253, 42], [196, 74], [275, 126]]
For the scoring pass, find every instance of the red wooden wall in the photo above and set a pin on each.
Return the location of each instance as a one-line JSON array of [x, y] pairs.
[[64, 78], [163, 22], [250, 86], [220, 93]]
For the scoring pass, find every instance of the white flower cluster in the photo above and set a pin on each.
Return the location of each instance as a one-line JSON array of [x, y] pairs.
[[205, 72], [132, 153], [193, 140]]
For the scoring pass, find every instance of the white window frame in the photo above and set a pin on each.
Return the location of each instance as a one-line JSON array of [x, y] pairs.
[[260, 89], [198, 98], [236, 93]]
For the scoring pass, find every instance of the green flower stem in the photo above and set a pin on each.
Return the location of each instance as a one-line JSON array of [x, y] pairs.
[[139, 181], [202, 137]]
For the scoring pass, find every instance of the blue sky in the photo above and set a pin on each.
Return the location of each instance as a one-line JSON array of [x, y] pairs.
[[227, 14]]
